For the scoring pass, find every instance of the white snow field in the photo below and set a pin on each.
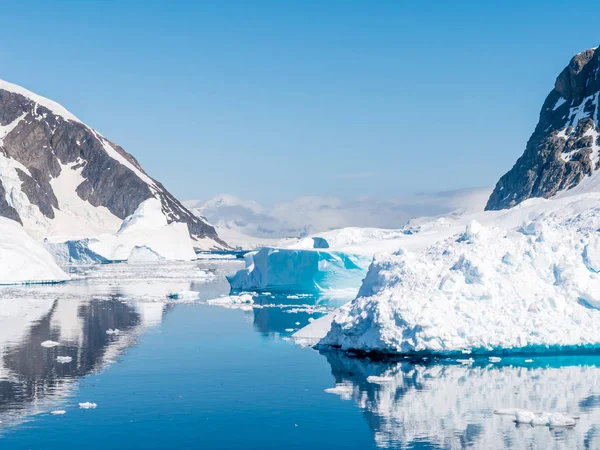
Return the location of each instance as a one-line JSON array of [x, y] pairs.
[[145, 236], [24, 260]]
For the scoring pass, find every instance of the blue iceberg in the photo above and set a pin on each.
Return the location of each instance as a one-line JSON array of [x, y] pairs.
[[302, 271]]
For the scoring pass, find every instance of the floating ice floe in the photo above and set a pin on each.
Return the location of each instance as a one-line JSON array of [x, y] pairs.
[[380, 379], [58, 412], [49, 344], [88, 405], [343, 390], [64, 359], [494, 359], [242, 301], [113, 332], [184, 295], [523, 416]]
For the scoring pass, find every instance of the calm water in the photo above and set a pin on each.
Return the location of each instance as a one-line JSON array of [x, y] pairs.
[[194, 375]]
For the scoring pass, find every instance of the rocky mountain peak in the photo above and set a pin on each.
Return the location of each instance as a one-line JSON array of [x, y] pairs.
[[563, 153], [60, 177]]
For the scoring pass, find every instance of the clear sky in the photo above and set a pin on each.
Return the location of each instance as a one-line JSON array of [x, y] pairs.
[[270, 100]]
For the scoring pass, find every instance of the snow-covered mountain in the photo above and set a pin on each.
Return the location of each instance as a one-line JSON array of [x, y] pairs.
[[239, 221], [59, 177], [563, 151]]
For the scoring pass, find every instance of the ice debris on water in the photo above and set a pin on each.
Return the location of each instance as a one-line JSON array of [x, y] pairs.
[[58, 412], [49, 344], [88, 405], [111, 331], [379, 380], [544, 418], [184, 295], [64, 359]]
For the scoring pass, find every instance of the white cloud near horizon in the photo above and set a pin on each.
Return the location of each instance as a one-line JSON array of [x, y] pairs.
[[313, 214]]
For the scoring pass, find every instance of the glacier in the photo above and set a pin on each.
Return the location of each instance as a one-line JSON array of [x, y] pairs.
[[24, 260], [143, 236], [299, 271]]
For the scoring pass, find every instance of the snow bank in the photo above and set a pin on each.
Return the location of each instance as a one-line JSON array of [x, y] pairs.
[[145, 236], [304, 271], [24, 260], [533, 287]]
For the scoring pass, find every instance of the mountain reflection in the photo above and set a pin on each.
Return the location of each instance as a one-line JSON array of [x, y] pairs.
[[451, 405], [31, 378]]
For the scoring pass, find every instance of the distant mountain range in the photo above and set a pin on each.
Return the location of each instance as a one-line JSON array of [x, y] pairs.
[[242, 221]]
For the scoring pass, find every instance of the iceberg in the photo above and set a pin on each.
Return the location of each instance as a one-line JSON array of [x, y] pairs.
[[501, 288], [145, 236], [299, 271], [24, 260]]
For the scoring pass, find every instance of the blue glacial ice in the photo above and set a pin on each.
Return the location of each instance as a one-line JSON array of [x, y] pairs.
[[300, 271]]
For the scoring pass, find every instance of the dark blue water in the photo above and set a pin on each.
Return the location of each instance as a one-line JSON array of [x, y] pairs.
[[199, 376]]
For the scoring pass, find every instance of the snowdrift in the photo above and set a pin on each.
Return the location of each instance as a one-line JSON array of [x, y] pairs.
[[24, 260], [299, 271], [528, 281], [143, 236]]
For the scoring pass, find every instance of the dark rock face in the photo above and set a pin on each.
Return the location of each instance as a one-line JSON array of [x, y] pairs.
[[563, 149], [45, 142]]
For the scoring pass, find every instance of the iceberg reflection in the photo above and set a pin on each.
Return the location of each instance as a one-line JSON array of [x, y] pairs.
[[32, 380], [451, 405]]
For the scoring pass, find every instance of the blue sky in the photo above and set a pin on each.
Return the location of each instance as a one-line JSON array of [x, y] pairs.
[[270, 100]]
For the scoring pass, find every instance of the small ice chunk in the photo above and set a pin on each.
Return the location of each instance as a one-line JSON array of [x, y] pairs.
[[529, 360], [49, 344], [379, 380], [342, 389], [184, 295], [541, 419], [58, 412], [297, 323], [561, 420], [113, 331], [64, 359], [88, 405], [495, 359], [524, 416], [289, 330]]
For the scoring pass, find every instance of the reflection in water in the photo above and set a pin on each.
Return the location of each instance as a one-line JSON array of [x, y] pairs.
[[31, 379], [451, 405], [278, 314]]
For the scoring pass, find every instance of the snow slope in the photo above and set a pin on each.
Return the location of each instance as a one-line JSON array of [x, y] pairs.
[[143, 235], [24, 260]]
